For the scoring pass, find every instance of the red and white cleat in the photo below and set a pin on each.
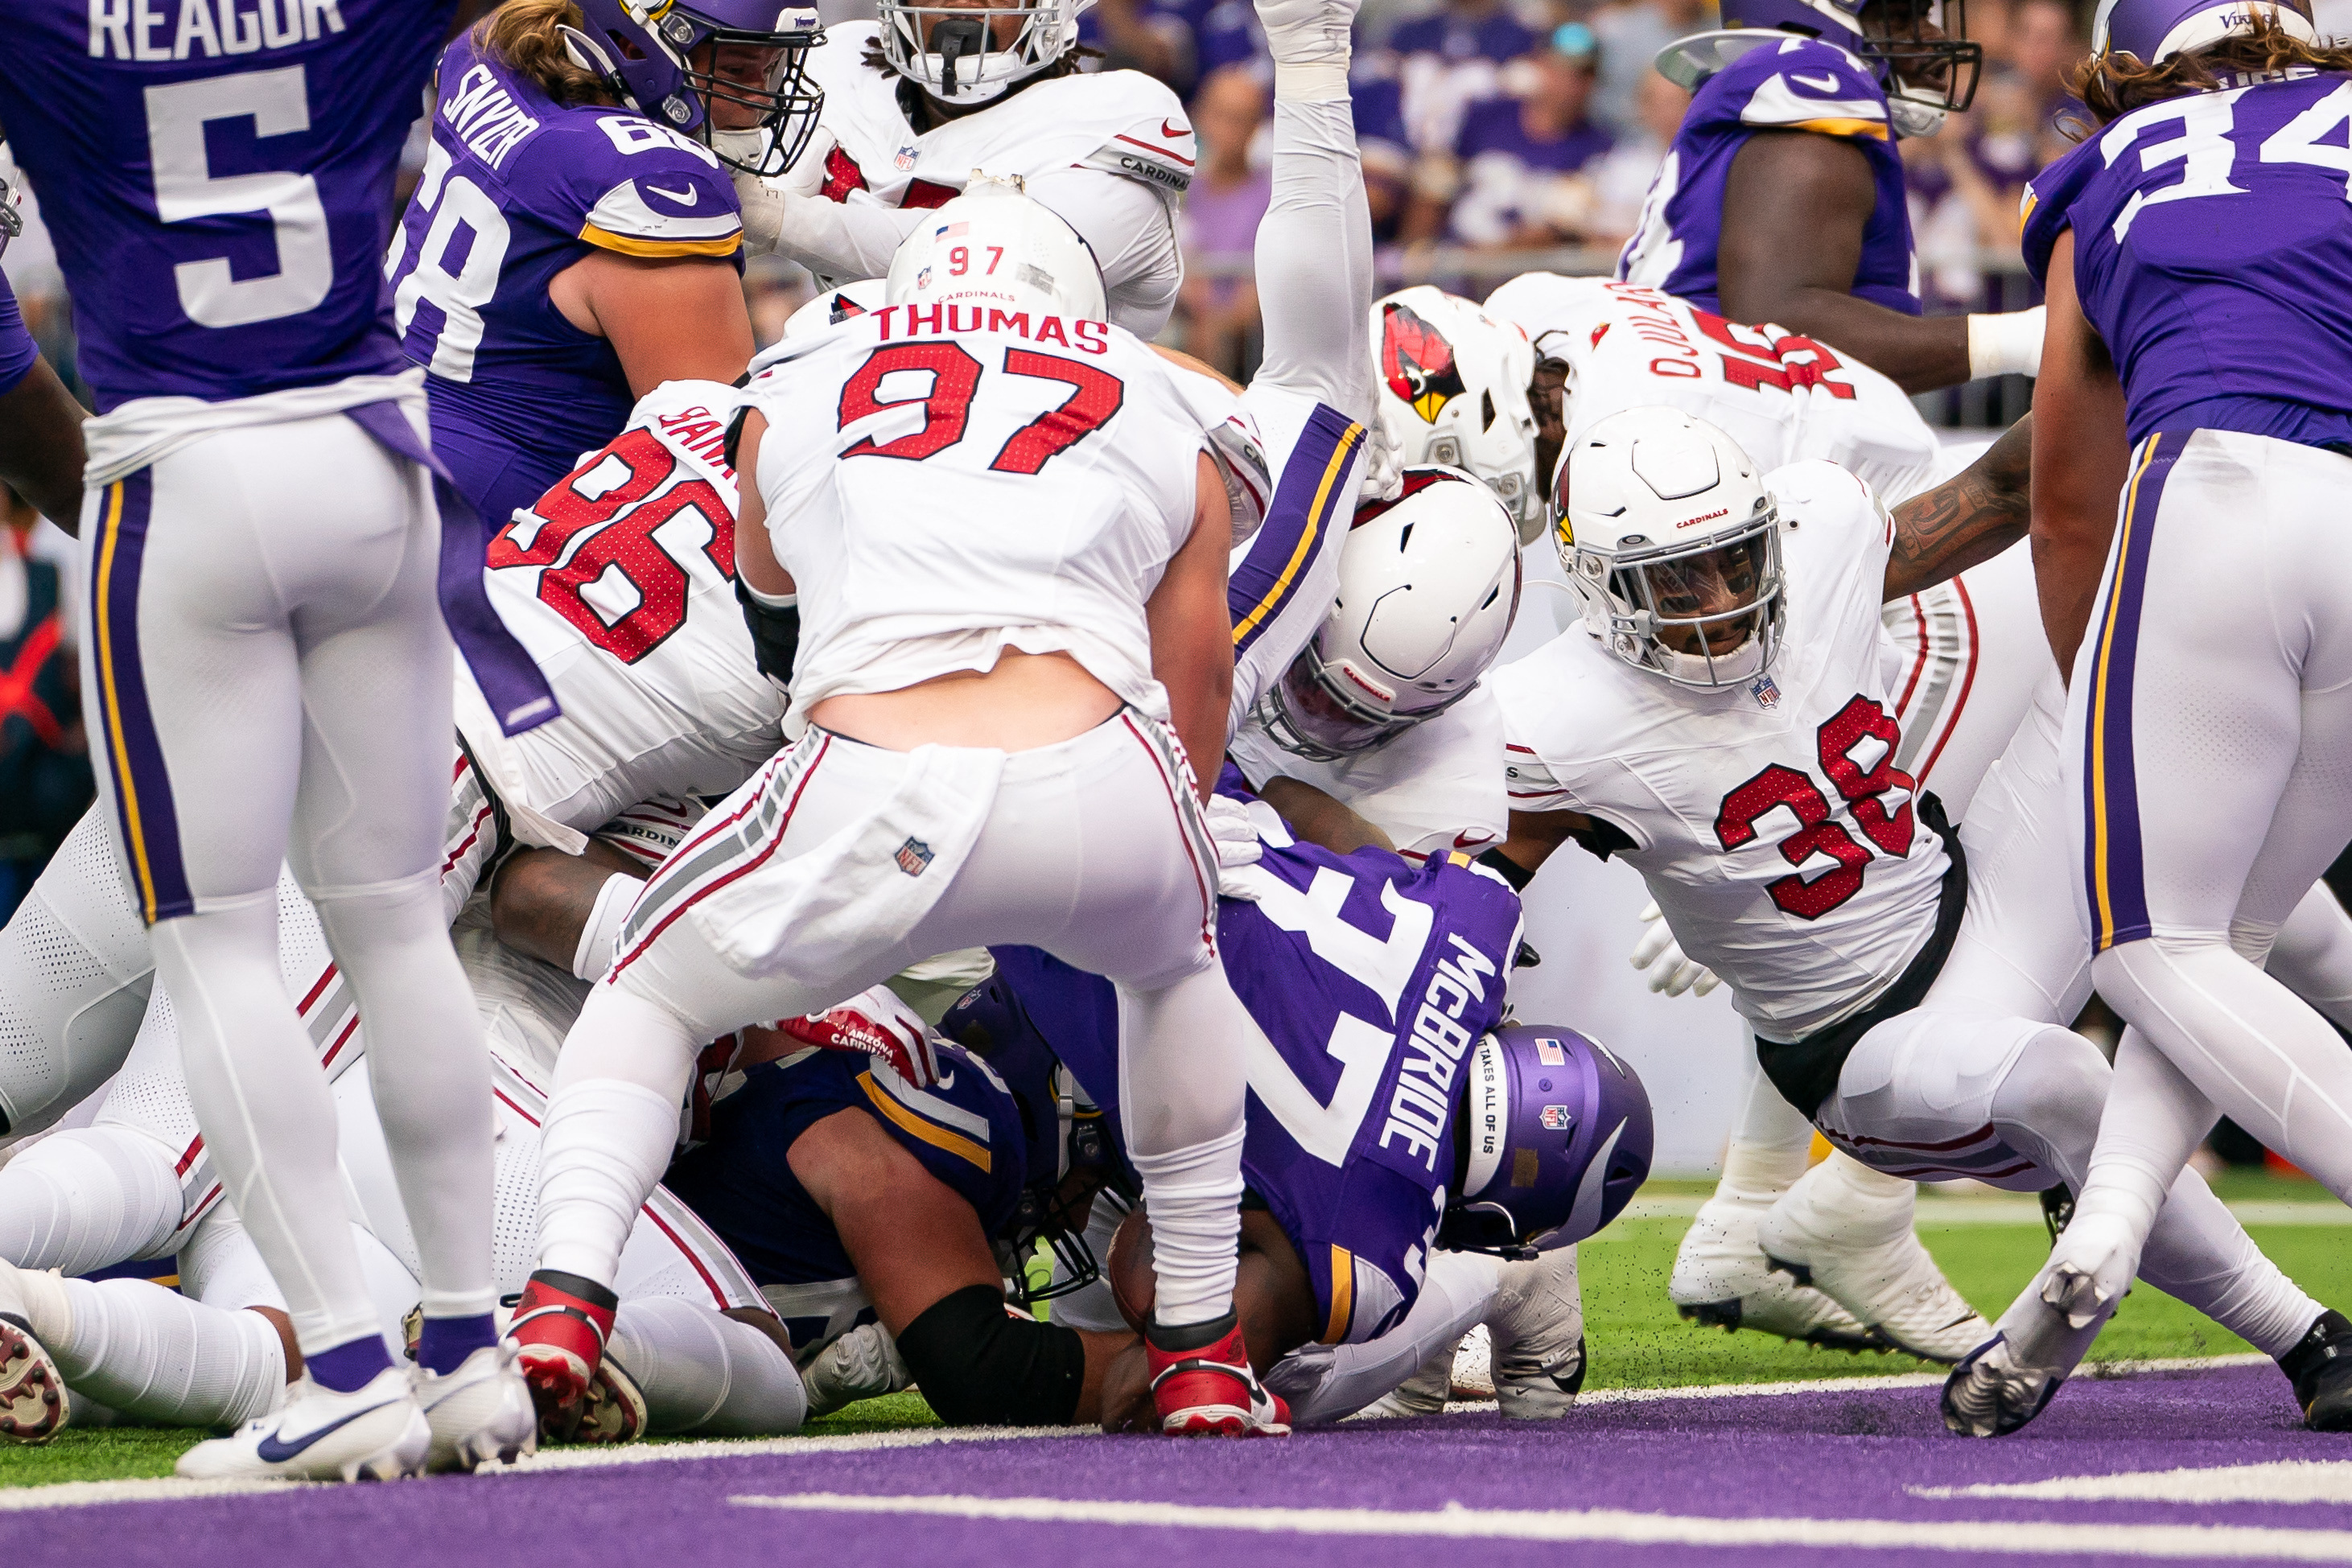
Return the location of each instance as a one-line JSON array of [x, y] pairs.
[[559, 1330], [1203, 1385]]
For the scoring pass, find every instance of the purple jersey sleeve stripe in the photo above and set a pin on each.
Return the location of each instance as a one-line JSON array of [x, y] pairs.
[[1295, 524], [2114, 876], [17, 351], [629, 245], [134, 757]]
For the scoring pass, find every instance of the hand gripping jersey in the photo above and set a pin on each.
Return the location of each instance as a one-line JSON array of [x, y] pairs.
[[1788, 84], [620, 581], [1768, 820], [515, 189], [965, 1130], [1369, 979], [1121, 122], [1433, 788], [2213, 253], [1784, 398], [946, 483], [219, 178]]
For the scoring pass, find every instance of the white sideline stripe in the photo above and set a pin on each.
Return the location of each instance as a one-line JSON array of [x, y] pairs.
[[1934, 1212], [1456, 1522], [84, 1494], [2278, 1480]]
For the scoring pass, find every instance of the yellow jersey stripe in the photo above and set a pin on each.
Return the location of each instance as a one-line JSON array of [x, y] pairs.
[[1343, 1294], [726, 245], [1872, 127], [110, 527], [930, 1132], [1316, 522], [2098, 737]]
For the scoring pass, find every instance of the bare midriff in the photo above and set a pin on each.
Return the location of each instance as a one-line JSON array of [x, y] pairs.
[[1027, 701]]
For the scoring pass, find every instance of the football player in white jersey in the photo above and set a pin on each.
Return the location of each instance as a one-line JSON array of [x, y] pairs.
[[1965, 660], [918, 101], [1721, 719], [995, 696]]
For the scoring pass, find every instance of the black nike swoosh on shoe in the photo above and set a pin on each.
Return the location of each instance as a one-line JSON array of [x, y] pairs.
[[270, 1451]]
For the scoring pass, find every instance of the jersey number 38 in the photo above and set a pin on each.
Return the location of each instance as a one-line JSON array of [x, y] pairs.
[[1859, 721]]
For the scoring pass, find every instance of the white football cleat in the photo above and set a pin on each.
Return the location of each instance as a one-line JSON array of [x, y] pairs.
[[34, 1404], [480, 1411], [1472, 1376], [2046, 1331], [1538, 1320], [1845, 1230], [1721, 1280], [376, 1432], [1425, 1392]]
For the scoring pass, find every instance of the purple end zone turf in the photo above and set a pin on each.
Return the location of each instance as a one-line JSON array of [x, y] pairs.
[[1844, 1455]]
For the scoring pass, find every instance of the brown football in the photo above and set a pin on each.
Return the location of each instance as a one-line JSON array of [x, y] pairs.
[[1132, 1284]]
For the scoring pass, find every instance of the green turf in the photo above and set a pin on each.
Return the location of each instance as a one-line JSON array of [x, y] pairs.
[[1636, 1338]]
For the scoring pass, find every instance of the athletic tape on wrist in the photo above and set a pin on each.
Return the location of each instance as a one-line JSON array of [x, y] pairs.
[[1314, 82]]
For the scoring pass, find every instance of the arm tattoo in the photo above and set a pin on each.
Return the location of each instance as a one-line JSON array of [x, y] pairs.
[[1966, 520]]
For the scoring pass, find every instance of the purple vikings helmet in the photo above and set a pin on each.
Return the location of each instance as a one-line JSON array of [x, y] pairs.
[[2155, 30], [642, 52], [1067, 1134], [1555, 1140], [1944, 62]]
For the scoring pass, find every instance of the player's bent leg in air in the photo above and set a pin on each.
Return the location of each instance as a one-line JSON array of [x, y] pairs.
[[75, 971]]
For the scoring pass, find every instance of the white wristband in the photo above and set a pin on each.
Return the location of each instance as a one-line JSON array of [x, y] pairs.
[[595, 953], [767, 601], [1317, 82], [2006, 345]]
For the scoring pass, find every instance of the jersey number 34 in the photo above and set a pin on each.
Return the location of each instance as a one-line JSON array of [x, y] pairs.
[[1862, 788]]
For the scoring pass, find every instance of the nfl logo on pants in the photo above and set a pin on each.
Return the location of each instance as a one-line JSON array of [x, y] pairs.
[[913, 856]]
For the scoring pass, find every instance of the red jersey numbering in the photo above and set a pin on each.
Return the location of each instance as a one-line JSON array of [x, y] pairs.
[[1860, 787]]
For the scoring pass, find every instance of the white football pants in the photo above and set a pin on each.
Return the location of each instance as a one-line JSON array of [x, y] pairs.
[[2209, 728]]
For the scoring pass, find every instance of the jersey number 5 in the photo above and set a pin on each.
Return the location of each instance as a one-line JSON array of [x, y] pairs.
[[1095, 397], [1777, 786]]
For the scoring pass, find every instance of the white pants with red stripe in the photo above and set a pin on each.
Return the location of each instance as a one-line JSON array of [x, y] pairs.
[[1093, 849]]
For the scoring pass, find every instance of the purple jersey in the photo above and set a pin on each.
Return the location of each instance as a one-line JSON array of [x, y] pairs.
[[518, 187], [2213, 253], [1370, 977], [17, 351], [219, 180], [965, 1131], [1795, 84]]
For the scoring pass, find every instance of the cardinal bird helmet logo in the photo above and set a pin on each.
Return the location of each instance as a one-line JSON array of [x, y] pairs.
[[1418, 361]]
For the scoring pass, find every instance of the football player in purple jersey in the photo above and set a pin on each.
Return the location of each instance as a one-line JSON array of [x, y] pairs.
[[575, 240], [2196, 249], [1782, 197], [267, 535]]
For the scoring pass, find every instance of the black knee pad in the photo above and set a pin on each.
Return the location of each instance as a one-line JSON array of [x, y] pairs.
[[979, 1365]]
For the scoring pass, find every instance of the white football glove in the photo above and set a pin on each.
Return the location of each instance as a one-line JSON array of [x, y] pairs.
[[763, 200], [863, 1364], [1303, 32], [878, 1023], [1662, 955], [1237, 842]]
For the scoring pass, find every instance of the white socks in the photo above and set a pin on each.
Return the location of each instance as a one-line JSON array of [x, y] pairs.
[[87, 1199], [702, 1372], [604, 1146], [151, 1352], [1193, 1197], [1183, 1076]]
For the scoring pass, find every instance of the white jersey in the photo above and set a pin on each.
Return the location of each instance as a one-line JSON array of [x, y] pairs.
[[1768, 818], [943, 488], [1784, 398], [1433, 788], [621, 584]]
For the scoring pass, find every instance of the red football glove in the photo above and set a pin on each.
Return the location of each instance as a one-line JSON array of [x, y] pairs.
[[878, 1023]]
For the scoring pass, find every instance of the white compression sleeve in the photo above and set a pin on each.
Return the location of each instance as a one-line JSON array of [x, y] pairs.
[[844, 240], [1315, 335], [702, 1372], [610, 1127], [1131, 232], [1182, 1074], [151, 1352], [89, 1198], [1325, 1382]]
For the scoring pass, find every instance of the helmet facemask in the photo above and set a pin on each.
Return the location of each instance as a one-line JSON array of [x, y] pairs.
[[1927, 69], [1706, 613], [1317, 712], [952, 52], [673, 62], [765, 74]]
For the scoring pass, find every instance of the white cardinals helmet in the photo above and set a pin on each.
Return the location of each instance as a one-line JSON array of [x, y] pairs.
[[996, 246], [1673, 543], [952, 52], [832, 307], [1453, 391], [1428, 585]]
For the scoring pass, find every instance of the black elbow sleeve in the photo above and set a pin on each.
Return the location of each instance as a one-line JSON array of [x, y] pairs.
[[775, 634], [979, 1365]]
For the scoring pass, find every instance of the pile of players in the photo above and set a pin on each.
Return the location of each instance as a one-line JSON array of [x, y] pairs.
[[965, 809]]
